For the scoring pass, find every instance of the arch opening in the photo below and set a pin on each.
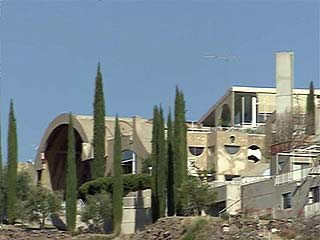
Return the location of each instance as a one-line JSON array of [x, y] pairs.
[[56, 156]]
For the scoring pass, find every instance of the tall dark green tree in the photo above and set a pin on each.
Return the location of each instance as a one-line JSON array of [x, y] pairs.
[[1, 166], [98, 164], [155, 163], [2, 190], [180, 150], [71, 180], [171, 168], [159, 165], [12, 165], [117, 193], [162, 166], [310, 113]]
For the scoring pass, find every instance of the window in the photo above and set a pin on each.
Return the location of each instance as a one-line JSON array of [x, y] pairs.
[[286, 200], [314, 195], [230, 177], [196, 151], [254, 153], [232, 149], [128, 161]]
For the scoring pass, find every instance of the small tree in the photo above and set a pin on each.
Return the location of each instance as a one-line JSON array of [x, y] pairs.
[[12, 165], [117, 181], [41, 203], [71, 182], [24, 185], [98, 163], [197, 194], [97, 209]]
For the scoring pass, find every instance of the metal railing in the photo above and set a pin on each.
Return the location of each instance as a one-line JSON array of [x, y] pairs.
[[297, 175]]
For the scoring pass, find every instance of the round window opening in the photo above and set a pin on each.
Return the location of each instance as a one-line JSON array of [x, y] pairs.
[[254, 153], [231, 149], [196, 151]]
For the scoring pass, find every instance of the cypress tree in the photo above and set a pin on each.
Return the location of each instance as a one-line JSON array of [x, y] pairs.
[[1, 167], [171, 168], [2, 191], [98, 164], [310, 111], [71, 180], [155, 162], [180, 150], [184, 143], [117, 193], [162, 165], [12, 165]]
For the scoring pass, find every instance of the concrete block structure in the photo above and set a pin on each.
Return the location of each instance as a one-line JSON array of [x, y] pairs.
[[226, 147]]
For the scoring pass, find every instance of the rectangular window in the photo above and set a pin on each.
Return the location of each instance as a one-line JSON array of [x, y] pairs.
[[314, 195], [286, 200]]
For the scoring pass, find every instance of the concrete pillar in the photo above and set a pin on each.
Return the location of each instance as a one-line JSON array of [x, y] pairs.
[[254, 111], [317, 117], [242, 110], [284, 81]]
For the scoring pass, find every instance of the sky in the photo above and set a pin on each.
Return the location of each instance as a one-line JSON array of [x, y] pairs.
[[50, 50]]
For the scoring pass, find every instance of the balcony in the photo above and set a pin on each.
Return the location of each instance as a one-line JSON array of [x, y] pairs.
[[297, 176]]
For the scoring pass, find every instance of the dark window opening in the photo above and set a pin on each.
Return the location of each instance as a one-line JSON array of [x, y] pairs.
[[286, 200], [232, 149], [39, 174], [243, 107], [128, 161], [196, 151], [254, 153], [314, 194], [230, 177]]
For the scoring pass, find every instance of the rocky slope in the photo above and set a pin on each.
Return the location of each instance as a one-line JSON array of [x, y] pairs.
[[192, 228]]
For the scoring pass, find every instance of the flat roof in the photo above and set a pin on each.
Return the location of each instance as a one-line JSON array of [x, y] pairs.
[[248, 89]]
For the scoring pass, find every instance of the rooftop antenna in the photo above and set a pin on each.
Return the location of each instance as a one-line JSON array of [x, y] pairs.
[[217, 57], [224, 58]]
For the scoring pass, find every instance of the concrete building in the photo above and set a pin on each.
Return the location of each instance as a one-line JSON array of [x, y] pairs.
[[52, 152], [226, 147], [250, 106]]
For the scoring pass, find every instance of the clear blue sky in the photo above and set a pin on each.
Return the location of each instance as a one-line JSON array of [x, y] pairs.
[[50, 50]]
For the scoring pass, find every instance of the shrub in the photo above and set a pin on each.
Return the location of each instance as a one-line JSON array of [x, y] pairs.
[[41, 203], [131, 183], [198, 196], [97, 209]]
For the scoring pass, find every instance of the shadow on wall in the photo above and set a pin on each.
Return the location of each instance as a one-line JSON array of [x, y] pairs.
[[143, 212]]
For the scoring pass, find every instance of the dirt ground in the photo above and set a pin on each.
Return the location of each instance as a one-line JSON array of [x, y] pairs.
[[191, 228]]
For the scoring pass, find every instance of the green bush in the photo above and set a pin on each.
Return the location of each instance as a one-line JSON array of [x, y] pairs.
[[98, 208], [131, 183]]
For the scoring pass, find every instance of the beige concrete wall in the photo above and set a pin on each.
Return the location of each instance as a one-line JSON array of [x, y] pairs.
[[136, 211], [215, 155]]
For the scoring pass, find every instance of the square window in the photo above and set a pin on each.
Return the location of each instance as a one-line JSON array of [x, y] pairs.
[[314, 195], [286, 200]]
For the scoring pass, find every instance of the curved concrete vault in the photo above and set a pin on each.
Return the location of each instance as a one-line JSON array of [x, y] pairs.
[[52, 152]]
